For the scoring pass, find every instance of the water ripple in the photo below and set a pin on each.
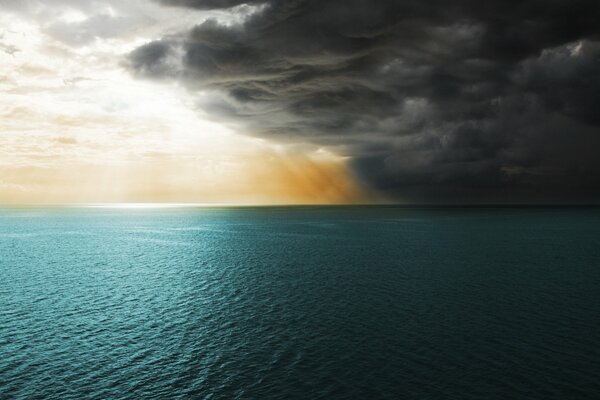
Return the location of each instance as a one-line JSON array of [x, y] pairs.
[[310, 303]]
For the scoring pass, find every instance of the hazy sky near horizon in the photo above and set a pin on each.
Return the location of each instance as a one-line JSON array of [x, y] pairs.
[[295, 101], [77, 126]]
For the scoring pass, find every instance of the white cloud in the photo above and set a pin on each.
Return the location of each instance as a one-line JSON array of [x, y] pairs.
[[72, 116]]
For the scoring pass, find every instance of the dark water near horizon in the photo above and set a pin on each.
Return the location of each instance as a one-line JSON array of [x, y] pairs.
[[300, 303]]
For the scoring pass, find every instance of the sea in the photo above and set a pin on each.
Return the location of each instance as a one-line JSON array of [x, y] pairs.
[[311, 302]]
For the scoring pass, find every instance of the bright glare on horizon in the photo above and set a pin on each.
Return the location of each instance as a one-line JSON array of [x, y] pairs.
[[143, 205]]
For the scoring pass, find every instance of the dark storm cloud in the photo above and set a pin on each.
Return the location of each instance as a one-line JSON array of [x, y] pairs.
[[433, 101], [208, 4]]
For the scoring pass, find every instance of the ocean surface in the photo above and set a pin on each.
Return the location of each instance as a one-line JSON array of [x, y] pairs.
[[300, 303]]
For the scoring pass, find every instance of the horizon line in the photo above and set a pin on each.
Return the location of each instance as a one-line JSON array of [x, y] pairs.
[[169, 205]]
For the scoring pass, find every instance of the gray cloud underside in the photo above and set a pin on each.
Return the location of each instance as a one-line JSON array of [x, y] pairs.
[[433, 101]]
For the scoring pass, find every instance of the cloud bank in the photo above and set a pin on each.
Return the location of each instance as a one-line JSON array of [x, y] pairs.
[[75, 127], [436, 101]]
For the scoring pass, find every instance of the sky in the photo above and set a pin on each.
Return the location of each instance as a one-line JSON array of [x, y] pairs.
[[299, 101]]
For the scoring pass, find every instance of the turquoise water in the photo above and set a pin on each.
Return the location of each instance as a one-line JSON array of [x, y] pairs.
[[300, 303]]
